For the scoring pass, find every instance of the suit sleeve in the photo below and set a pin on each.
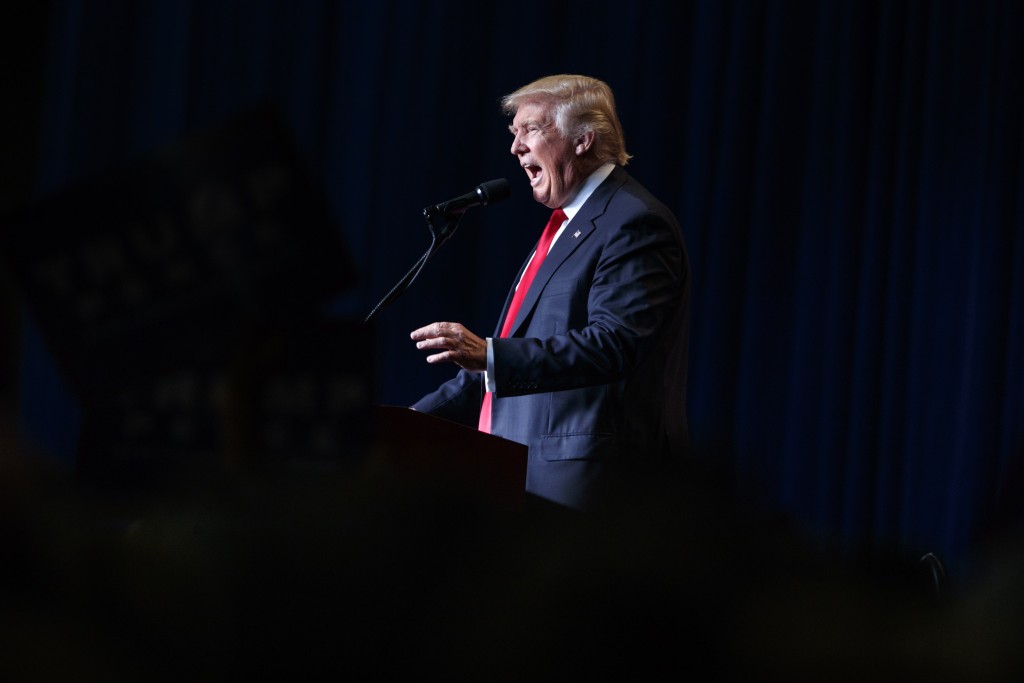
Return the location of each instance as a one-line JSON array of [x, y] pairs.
[[624, 298], [458, 399]]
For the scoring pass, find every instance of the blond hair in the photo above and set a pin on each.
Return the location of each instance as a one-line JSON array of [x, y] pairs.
[[579, 104]]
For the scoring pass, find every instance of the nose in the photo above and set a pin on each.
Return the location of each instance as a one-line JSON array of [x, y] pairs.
[[517, 145]]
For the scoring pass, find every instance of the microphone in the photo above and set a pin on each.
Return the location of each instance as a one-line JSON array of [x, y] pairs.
[[485, 193]]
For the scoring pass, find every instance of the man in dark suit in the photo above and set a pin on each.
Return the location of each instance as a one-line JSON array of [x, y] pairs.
[[590, 371]]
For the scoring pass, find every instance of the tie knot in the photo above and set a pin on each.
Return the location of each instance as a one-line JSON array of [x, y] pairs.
[[556, 220]]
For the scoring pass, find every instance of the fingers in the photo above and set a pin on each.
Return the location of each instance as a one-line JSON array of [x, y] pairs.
[[434, 336], [440, 357], [455, 343], [431, 331]]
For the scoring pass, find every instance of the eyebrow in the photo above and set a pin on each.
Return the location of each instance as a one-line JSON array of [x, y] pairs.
[[524, 124]]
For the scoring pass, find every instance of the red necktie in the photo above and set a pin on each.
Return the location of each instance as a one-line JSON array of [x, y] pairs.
[[554, 223]]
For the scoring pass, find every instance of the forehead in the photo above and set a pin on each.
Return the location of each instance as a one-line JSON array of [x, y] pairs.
[[531, 112]]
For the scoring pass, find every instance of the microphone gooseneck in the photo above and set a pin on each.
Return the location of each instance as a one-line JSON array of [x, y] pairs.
[[449, 213]]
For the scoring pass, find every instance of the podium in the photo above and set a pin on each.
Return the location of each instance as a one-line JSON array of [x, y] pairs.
[[424, 450]]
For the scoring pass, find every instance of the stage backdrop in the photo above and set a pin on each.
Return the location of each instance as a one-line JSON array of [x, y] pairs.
[[848, 176]]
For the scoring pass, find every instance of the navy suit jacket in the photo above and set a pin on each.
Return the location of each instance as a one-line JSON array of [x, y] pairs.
[[592, 377]]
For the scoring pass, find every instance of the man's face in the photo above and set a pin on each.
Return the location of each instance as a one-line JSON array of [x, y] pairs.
[[549, 159]]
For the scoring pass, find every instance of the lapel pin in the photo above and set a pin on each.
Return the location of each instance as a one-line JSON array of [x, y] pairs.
[[576, 234]]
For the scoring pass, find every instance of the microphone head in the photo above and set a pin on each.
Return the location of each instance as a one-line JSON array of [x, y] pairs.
[[494, 190]]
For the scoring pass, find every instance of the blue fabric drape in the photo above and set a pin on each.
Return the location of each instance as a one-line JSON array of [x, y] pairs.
[[848, 175]]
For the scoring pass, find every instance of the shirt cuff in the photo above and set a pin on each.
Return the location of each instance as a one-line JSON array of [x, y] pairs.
[[489, 373]]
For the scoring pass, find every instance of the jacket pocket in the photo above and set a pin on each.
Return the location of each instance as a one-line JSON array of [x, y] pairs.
[[592, 446], [560, 288]]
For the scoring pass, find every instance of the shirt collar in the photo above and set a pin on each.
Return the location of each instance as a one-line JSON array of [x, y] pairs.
[[587, 189]]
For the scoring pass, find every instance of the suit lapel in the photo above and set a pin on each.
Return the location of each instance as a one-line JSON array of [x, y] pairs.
[[575, 234]]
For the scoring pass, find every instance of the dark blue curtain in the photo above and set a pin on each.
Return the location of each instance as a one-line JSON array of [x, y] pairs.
[[848, 176]]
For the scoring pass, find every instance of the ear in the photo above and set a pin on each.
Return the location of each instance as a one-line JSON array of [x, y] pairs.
[[584, 142]]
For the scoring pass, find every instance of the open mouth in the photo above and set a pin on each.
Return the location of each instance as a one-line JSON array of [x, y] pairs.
[[534, 173]]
